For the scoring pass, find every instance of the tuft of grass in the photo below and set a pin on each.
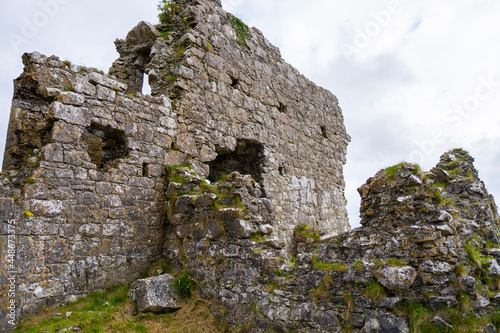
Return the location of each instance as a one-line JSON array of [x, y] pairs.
[[184, 285], [241, 29], [416, 169], [378, 263], [462, 270], [393, 262], [391, 171], [375, 291], [322, 290], [257, 237], [30, 181], [495, 318], [171, 78], [358, 266], [305, 230], [418, 316], [180, 50], [491, 245], [465, 303], [325, 266], [271, 286], [165, 34], [67, 63], [474, 254]]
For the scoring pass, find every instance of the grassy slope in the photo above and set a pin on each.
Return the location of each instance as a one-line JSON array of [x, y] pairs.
[[93, 314]]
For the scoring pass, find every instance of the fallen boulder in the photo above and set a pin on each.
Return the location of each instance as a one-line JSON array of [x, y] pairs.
[[155, 294]]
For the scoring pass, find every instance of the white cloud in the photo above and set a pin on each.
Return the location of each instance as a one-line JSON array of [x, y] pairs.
[[394, 92]]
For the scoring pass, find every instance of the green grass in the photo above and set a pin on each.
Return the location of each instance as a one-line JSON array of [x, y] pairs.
[[391, 171], [165, 34], [90, 313], [462, 270], [241, 29], [180, 50], [326, 266], [305, 230], [358, 266], [416, 169], [474, 254], [375, 291], [393, 262], [168, 10], [271, 286], [30, 181], [184, 285], [495, 318], [93, 314], [419, 317], [378, 263], [171, 78], [322, 290]]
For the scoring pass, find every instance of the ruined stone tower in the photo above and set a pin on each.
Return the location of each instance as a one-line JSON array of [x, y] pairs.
[[84, 181]]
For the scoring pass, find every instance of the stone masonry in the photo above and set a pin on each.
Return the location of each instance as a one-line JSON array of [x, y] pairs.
[[84, 179], [232, 173]]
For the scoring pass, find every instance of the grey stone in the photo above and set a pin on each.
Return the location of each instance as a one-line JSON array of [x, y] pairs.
[[96, 78], [240, 229], [72, 328], [482, 302], [72, 98], [440, 322], [384, 322], [396, 278], [494, 268], [70, 114], [468, 282], [266, 229], [490, 328], [436, 302], [436, 267], [143, 32], [388, 302], [155, 294]]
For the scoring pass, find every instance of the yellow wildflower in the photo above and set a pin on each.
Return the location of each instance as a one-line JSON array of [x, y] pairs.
[[28, 213]]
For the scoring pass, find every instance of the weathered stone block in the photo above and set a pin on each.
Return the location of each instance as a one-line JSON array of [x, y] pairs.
[[396, 278], [70, 114], [105, 93], [65, 133], [155, 294], [143, 32], [72, 98], [96, 78], [240, 229]]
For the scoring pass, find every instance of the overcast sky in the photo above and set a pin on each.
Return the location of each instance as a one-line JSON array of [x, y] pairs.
[[414, 78]]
